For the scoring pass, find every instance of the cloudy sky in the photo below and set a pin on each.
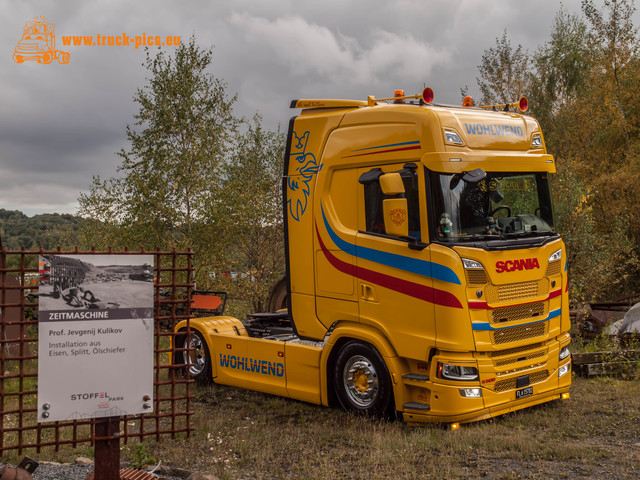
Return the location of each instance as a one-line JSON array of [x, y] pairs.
[[60, 124]]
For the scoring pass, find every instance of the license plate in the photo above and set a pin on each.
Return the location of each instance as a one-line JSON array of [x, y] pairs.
[[525, 392]]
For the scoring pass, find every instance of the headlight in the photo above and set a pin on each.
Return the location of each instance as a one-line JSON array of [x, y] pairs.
[[472, 264], [536, 142], [452, 137], [564, 353], [457, 372], [555, 256], [471, 392], [564, 369]]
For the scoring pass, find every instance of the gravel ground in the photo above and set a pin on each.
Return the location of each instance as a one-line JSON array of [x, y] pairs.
[[50, 471]]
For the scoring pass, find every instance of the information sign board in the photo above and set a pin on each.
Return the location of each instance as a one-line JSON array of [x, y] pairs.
[[95, 336]]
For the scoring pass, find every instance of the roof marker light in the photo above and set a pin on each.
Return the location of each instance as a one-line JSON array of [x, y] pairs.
[[398, 96], [467, 101]]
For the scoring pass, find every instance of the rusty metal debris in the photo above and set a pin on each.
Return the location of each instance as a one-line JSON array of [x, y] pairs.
[[624, 363], [130, 474], [595, 317], [22, 472]]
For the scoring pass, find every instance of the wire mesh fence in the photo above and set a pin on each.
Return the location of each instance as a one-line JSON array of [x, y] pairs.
[[21, 278]]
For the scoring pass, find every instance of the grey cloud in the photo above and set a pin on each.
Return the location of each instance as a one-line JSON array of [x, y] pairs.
[[61, 124]]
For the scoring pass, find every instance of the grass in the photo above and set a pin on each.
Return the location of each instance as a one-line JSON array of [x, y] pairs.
[[244, 434]]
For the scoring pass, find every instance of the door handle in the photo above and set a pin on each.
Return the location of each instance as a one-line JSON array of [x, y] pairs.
[[367, 293]]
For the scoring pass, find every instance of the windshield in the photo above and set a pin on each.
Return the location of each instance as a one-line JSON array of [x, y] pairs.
[[502, 205]]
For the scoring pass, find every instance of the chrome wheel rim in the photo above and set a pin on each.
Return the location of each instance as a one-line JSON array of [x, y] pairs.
[[360, 381], [195, 359]]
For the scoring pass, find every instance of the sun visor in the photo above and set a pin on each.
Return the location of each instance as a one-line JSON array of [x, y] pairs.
[[491, 130]]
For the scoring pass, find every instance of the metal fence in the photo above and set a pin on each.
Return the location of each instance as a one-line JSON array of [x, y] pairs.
[[19, 427]]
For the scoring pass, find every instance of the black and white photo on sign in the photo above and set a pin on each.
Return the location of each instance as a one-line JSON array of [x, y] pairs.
[[70, 282]]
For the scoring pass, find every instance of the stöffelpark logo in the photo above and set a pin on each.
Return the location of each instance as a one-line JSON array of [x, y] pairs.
[[38, 43]]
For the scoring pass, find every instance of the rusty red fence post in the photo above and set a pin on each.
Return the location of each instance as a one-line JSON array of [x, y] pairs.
[[107, 449]]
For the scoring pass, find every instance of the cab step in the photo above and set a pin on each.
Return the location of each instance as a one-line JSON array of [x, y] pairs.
[[417, 406], [416, 376]]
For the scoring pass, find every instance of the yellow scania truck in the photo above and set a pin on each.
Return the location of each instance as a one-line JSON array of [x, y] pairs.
[[425, 276]]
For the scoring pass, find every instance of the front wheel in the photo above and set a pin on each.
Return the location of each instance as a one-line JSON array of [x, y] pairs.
[[361, 380], [197, 360], [46, 58]]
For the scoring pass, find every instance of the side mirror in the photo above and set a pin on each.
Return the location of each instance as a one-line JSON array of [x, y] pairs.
[[473, 176], [396, 217], [395, 210], [391, 184]]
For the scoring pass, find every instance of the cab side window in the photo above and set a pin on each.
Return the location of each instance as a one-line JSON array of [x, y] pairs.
[[373, 197]]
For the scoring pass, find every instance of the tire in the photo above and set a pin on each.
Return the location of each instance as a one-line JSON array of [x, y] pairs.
[[46, 58], [198, 361], [278, 297], [361, 380]]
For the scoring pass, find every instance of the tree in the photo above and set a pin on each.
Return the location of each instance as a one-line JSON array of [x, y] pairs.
[[560, 71], [614, 44], [588, 74], [582, 89], [252, 199], [171, 175], [503, 72]]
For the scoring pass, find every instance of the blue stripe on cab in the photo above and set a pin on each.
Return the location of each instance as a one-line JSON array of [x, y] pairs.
[[486, 326], [408, 264]]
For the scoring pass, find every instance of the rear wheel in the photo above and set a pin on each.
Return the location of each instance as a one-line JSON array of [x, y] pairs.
[[198, 360], [361, 380]]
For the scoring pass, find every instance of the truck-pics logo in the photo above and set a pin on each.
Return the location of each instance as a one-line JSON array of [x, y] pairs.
[[38, 43]]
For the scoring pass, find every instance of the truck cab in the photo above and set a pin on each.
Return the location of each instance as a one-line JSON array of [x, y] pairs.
[[425, 275]]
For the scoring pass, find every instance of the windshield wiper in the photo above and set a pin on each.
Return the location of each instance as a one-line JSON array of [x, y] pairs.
[[530, 233], [480, 236]]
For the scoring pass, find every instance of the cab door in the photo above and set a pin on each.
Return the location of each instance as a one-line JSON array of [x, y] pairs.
[[394, 274]]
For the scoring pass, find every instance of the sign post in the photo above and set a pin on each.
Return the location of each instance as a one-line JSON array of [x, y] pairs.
[[107, 449], [95, 344]]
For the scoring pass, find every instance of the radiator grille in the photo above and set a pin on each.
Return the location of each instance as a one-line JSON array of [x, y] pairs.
[[553, 268], [516, 291], [521, 332], [509, 361], [510, 383], [511, 351], [517, 312], [477, 277]]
